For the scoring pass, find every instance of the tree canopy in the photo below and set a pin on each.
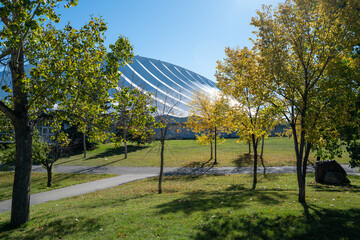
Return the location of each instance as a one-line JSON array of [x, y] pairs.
[[133, 114], [305, 47], [53, 74], [207, 116], [240, 77]]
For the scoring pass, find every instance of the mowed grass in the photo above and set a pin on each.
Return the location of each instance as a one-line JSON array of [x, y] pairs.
[[188, 153], [39, 181], [199, 207]]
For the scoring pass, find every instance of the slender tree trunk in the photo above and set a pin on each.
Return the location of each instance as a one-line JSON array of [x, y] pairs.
[[49, 169], [211, 149], [162, 140], [255, 161], [300, 171], [161, 165], [125, 143], [84, 144], [302, 176], [262, 153], [215, 147], [301, 185], [20, 213], [249, 144]]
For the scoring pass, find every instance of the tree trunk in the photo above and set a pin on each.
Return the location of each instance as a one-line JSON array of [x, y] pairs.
[[255, 161], [249, 143], [215, 147], [301, 184], [302, 176], [162, 140], [20, 213], [300, 162], [161, 165], [84, 144], [125, 143], [211, 149], [262, 153], [23, 141], [49, 169]]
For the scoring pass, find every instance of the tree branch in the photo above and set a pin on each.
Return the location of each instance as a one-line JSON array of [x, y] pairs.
[[7, 111], [5, 53]]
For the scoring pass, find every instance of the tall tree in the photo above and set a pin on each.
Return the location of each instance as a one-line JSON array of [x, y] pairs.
[[133, 113], [65, 66], [239, 76], [207, 117], [300, 43]]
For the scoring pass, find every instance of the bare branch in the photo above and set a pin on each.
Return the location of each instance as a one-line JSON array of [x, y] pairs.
[[5, 53], [7, 111]]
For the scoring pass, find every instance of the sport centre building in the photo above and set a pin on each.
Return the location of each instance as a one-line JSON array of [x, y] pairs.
[[169, 84]]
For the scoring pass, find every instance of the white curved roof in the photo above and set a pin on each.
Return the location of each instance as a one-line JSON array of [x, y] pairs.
[[169, 84]]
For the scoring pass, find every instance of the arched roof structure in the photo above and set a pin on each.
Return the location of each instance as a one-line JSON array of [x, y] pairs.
[[169, 84]]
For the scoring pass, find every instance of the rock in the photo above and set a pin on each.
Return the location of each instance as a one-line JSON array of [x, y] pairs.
[[336, 178], [330, 172]]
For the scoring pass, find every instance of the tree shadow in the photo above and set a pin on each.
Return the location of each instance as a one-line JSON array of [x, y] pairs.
[[209, 200], [244, 160], [334, 188], [113, 203], [319, 224], [117, 151], [182, 178], [107, 153], [55, 229], [199, 164]]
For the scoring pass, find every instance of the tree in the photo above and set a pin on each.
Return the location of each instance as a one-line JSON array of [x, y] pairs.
[[48, 153], [301, 44], [165, 109], [239, 78], [67, 65], [133, 114], [207, 117]]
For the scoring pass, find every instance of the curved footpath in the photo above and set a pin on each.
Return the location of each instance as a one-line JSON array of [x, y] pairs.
[[129, 174]]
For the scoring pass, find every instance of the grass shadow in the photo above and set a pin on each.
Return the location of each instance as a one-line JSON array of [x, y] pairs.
[[244, 160], [205, 201], [180, 178], [53, 229], [199, 164], [334, 188], [117, 151], [319, 224], [109, 152]]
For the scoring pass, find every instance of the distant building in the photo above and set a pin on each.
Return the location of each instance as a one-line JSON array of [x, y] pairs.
[[170, 84]]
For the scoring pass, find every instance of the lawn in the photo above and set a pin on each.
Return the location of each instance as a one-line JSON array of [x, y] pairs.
[[202, 207], [39, 180], [187, 153]]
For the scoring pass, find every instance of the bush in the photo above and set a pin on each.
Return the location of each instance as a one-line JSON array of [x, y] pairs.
[[354, 152]]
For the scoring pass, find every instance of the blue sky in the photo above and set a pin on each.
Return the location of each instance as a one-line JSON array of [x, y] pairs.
[[190, 33]]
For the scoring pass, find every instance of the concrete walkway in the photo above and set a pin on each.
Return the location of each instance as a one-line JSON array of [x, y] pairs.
[[78, 189], [129, 174], [169, 171]]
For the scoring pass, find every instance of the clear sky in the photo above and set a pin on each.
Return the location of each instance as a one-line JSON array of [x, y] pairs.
[[190, 33]]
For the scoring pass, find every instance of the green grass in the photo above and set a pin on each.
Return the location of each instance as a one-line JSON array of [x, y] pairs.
[[203, 207], [39, 180], [188, 153]]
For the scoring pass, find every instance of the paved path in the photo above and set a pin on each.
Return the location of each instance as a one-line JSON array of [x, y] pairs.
[[129, 174], [78, 189], [178, 170]]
